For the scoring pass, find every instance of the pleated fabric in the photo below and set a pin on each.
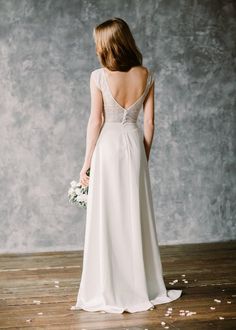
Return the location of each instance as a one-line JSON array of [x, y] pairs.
[[122, 268]]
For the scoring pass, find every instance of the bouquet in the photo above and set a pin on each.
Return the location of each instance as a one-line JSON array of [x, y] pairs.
[[78, 194]]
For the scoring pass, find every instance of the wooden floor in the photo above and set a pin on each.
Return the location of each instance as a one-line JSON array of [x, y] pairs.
[[37, 291]]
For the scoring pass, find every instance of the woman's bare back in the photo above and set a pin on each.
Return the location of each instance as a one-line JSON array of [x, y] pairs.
[[127, 87]]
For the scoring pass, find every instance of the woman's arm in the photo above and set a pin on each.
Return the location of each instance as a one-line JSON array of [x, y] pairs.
[[93, 128], [149, 120]]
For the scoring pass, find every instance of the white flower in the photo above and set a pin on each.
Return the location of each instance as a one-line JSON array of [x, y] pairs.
[[73, 183], [81, 198], [71, 191]]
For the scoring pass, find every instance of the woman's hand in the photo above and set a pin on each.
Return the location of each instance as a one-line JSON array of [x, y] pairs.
[[84, 178]]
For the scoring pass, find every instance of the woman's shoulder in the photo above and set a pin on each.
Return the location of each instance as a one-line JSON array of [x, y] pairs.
[[146, 71], [96, 76], [96, 73], [96, 70]]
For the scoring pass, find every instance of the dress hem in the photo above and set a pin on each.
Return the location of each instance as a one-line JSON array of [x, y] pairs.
[[171, 295]]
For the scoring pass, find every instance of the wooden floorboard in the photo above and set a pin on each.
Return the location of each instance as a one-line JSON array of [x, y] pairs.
[[37, 291]]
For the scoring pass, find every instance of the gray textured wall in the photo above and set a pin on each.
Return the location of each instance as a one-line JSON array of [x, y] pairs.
[[47, 54]]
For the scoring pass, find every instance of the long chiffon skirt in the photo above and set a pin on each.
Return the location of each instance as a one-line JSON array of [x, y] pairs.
[[122, 269]]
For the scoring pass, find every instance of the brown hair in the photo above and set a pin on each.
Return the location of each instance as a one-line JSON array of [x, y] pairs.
[[115, 45]]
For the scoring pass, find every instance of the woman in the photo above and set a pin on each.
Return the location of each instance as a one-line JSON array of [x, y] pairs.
[[122, 269]]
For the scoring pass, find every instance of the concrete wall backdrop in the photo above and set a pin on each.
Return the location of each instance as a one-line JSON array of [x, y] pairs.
[[47, 54]]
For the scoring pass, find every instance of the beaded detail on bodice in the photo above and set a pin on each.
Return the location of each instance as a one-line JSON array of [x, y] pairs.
[[113, 111]]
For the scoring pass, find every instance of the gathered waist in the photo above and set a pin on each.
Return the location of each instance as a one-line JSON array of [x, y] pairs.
[[120, 123], [126, 126]]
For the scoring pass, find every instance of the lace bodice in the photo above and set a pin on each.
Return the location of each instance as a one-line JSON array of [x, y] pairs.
[[113, 111]]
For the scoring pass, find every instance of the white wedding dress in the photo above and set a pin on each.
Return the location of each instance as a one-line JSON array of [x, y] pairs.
[[122, 269]]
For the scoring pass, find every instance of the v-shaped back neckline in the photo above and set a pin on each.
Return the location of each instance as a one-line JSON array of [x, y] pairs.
[[139, 98]]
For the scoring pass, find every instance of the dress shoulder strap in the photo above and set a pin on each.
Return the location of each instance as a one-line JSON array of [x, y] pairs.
[[151, 79], [97, 77]]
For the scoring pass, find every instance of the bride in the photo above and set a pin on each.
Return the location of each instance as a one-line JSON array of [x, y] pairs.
[[122, 268]]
